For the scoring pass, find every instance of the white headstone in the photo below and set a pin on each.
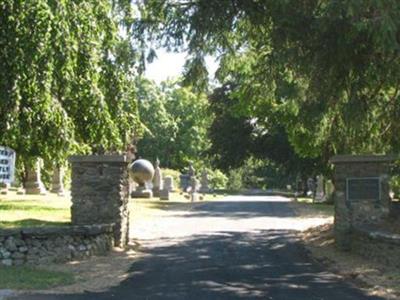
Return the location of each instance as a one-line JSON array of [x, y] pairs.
[[169, 183], [157, 179]]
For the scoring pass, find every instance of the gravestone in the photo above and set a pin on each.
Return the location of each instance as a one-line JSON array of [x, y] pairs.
[[311, 187], [164, 194], [320, 191], [142, 172], [329, 189], [204, 182], [169, 183], [57, 185], [186, 179], [100, 193], [33, 183], [361, 193], [157, 180]]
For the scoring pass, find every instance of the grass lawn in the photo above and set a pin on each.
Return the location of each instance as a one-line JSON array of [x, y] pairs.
[[33, 210], [36, 210], [28, 278]]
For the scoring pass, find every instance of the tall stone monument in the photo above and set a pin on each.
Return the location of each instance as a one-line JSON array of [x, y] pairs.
[[33, 182], [142, 172], [204, 182], [194, 188], [57, 185], [311, 187], [157, 179], [320, 189], [99, 191]]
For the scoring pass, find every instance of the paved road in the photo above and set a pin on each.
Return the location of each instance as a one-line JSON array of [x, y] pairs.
[[237, 248]]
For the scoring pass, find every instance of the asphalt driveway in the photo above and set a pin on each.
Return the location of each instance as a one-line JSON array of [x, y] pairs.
[[241, 247]]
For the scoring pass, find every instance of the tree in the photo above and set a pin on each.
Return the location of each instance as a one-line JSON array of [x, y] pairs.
[[237, 140], [177, 120], [65, 78], [328, 71], [227, 128]]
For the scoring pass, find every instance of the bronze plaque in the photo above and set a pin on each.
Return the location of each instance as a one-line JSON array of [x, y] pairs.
[[368, 188]]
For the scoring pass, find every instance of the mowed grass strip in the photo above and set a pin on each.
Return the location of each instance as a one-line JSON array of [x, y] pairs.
[[28, 278], [34, 210]]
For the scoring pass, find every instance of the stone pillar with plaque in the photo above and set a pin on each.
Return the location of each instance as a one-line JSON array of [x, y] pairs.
[[361, 193]]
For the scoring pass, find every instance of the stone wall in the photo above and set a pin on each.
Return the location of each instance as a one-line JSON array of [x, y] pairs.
[[376, 245], [100, 193], [42, 245]]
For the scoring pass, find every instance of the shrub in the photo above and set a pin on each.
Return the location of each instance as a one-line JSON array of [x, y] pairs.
[[235, 180], [217, 179]]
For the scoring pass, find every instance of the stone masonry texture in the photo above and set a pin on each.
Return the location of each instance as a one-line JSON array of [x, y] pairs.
[[100, 193], [43, 245], [350, 214]]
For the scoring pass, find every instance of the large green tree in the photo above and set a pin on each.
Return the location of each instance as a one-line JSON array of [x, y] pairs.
[[176, 121], [236, 140], [328, 71], [66, 77]]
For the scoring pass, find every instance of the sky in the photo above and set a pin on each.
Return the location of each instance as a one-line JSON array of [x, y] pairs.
[[170, 65]]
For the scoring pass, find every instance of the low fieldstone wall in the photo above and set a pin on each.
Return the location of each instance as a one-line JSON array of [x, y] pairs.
[[379, 246], [42, 245]]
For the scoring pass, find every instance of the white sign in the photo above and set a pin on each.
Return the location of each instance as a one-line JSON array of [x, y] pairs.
[[7, 164]]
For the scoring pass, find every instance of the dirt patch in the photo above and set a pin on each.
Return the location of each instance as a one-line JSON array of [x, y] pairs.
[[97, 273], [375, 278]]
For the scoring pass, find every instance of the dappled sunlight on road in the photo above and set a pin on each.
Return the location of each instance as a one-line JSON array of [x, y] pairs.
[[239, 247], [232, 213]]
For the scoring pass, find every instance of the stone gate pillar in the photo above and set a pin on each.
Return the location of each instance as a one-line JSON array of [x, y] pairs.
[[361, 193], [100, 193]]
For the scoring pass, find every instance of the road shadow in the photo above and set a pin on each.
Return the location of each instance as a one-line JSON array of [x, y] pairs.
[[268, 264], [234, 209]]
